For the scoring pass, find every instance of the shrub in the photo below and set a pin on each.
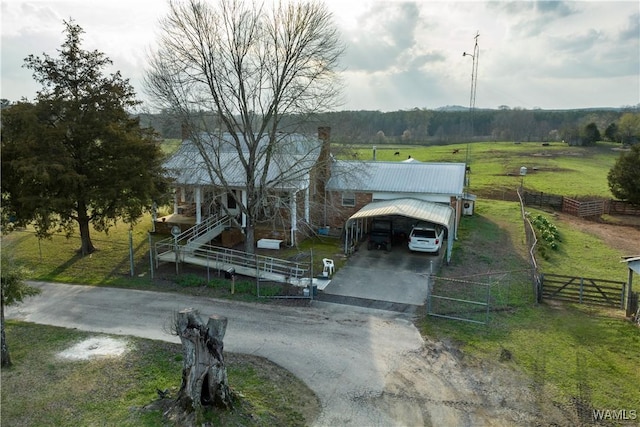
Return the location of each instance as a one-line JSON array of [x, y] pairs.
[[547, 234]]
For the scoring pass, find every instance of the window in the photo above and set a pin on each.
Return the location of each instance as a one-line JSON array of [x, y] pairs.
[[231, 201], [348, 199]]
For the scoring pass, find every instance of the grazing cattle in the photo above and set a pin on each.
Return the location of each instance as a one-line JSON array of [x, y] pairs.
[[397, 153], [456, 151]]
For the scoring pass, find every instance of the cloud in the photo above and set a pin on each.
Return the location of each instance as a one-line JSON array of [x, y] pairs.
[[632, 32], [385, 33], [399, 54]]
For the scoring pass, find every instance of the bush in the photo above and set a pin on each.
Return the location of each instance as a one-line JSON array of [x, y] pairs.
[[547, 234]]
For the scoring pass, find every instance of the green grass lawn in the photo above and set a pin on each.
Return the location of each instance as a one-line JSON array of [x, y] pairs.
[[42, 389], [570, 352]]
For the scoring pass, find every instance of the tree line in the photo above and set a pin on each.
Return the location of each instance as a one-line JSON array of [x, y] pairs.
[[421, 126]]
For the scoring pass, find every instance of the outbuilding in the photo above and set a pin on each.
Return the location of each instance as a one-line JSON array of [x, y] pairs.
[[408, 192]]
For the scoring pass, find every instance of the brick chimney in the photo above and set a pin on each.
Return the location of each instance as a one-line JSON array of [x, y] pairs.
[[185, 129], [324, 161]]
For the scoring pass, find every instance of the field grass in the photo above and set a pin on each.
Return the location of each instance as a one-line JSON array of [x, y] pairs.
[[556, 169], [45, 390], [573, 354]]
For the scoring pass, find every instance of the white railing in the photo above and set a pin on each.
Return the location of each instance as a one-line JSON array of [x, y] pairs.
[[208, 225]]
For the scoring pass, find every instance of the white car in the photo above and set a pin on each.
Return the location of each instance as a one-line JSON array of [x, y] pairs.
[[426, 238]]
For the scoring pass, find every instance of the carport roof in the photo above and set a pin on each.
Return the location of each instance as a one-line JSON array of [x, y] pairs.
[[413, 208]]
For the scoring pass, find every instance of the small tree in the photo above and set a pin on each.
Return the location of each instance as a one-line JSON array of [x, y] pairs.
[[611, 132], [624, 176], [629, 128], [75, 156], [13, 290], [590, 134]]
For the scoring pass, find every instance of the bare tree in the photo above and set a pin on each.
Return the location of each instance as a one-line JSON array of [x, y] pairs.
[[250, 65]]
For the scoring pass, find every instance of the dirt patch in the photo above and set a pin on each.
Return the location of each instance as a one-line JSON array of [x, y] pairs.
[[96, 347], [438, 386], [619, 232]]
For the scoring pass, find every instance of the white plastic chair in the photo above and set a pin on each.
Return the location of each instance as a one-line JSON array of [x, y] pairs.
[[329, 268]]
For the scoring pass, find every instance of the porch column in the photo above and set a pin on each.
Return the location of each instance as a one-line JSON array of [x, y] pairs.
[[198, 196], [294, 216], [243, 196], [175, 200], [306, 205]]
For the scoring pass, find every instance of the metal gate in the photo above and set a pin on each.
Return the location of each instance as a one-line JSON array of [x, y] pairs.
[[459, 299], [584, 290]]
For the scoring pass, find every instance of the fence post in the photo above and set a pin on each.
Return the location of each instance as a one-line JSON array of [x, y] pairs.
[[486, 317], [630, 310], [581, 288], [150, 255], [429, 284], [539, 287]]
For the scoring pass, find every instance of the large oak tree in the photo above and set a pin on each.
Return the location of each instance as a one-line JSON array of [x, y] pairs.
[[75, 155]]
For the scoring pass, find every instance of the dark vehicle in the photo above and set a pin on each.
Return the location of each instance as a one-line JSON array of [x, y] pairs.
[[381, 234]]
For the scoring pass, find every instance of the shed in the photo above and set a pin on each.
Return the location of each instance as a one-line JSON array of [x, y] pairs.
[[633, 262]]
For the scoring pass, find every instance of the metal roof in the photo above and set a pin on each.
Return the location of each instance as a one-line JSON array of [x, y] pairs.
[[397, 177], [633, 262], [212, 157], [437, 213]]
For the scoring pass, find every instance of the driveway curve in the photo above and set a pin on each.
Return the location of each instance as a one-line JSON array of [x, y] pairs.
[[368, 367], [342, 353]]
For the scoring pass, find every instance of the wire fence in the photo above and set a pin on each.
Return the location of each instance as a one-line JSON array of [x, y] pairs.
[[123, 254], [532, 242], [475, 298]]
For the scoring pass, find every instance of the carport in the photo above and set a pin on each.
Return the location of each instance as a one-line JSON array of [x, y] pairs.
[[420, 210]]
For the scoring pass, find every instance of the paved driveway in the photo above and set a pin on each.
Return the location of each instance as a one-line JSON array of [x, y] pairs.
[[344, 354], [396, 277]]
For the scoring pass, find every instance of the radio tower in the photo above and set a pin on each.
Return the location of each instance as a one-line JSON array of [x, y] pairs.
[[475, 56]]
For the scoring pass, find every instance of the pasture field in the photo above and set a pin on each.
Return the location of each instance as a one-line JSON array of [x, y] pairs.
[[495, 166]]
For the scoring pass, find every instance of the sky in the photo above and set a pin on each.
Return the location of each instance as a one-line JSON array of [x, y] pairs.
[[399, 55]]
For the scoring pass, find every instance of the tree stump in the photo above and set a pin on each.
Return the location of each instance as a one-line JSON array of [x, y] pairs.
[[204, 375]]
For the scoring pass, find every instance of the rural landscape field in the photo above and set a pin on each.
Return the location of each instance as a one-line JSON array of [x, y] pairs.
[[574, 359]]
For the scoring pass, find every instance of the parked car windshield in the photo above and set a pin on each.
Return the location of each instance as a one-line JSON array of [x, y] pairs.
[[430, 234]]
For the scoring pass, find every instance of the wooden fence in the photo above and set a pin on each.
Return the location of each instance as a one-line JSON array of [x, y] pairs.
[[581, 208], [622, 208], [543, 199], [583, 290]]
